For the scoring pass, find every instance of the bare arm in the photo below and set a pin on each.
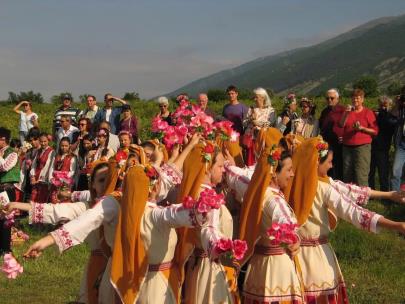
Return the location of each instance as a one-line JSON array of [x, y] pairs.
[[368, 131], [395, 196], [17, 107], [180, 160], [36, 249], [122, 101], [20, 206], [391, 225]]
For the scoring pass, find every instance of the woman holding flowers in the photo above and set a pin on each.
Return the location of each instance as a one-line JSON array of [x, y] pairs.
[[139, 234], [207, 279], [261, 116], [317, 204], [62, 172], [273, 273]]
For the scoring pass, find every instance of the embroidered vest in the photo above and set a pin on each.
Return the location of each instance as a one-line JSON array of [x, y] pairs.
[[41, 158], [12, 175]]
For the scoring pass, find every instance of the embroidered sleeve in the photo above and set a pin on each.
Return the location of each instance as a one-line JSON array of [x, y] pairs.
[[347, 208], [81, 196], [79, 228], [9, 162], [358, 194], [53, 214], [210, 233], [280, 211], [36, 214], [169, 177], [62, 239], [175, 216], [237, 180]]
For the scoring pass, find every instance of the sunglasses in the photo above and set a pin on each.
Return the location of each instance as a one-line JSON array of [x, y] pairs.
[[83, 124], [330, 98], [163, 106]]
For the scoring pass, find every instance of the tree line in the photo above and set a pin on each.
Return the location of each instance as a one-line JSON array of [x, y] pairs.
[[368, 83]]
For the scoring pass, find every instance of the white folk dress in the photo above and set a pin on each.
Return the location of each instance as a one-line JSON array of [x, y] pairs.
[[272, 276], [157, 232], [323, 280], [207, 280]]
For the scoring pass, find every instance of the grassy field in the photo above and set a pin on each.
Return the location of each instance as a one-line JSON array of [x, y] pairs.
[[373, 265]]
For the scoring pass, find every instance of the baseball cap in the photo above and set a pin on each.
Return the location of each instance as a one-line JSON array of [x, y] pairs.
[[66, 96]]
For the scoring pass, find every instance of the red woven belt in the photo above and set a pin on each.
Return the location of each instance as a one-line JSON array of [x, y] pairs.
[[269, 250], [314, 242]]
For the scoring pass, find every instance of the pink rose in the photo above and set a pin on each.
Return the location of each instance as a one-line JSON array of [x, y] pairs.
[[223, 245], [239, 249], [11, 268], [203, 207], [158, 124], [234, 136], [283, 234], [188, 202]]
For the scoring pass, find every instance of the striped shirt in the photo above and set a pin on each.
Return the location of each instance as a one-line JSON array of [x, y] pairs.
[[73, 113]]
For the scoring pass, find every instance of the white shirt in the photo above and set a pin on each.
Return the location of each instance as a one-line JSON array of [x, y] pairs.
[[26, 121], [66, 133], [108, 114]]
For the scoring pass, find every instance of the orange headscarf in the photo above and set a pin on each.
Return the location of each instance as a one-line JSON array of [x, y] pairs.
[[301, 192], [293, 141], [129, 260], [234, 149], [266, 138], [251, 213]]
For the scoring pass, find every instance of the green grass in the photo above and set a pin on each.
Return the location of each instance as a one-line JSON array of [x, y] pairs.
[[373, 267]]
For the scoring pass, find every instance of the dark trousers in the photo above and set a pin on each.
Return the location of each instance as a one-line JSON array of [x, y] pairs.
[[337, 171], [5, 232], [379, 163]]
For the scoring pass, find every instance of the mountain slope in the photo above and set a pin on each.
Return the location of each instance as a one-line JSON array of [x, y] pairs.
[[376, 48]]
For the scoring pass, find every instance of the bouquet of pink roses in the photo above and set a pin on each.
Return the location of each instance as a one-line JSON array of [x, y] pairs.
[[208, 200], [61, 179], [283, 234], [11, 268], [234, 249], [225, 131]]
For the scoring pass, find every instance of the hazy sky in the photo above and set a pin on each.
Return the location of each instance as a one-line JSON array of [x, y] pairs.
[[156, 46]]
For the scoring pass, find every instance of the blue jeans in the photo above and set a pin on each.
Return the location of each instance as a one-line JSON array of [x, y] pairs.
[[399, 161]]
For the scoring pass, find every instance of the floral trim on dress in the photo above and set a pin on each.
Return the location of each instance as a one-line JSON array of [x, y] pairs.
[[62, 239], [360, 193], [365, 220], [172, 172], [241, 178], [37, 213]]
